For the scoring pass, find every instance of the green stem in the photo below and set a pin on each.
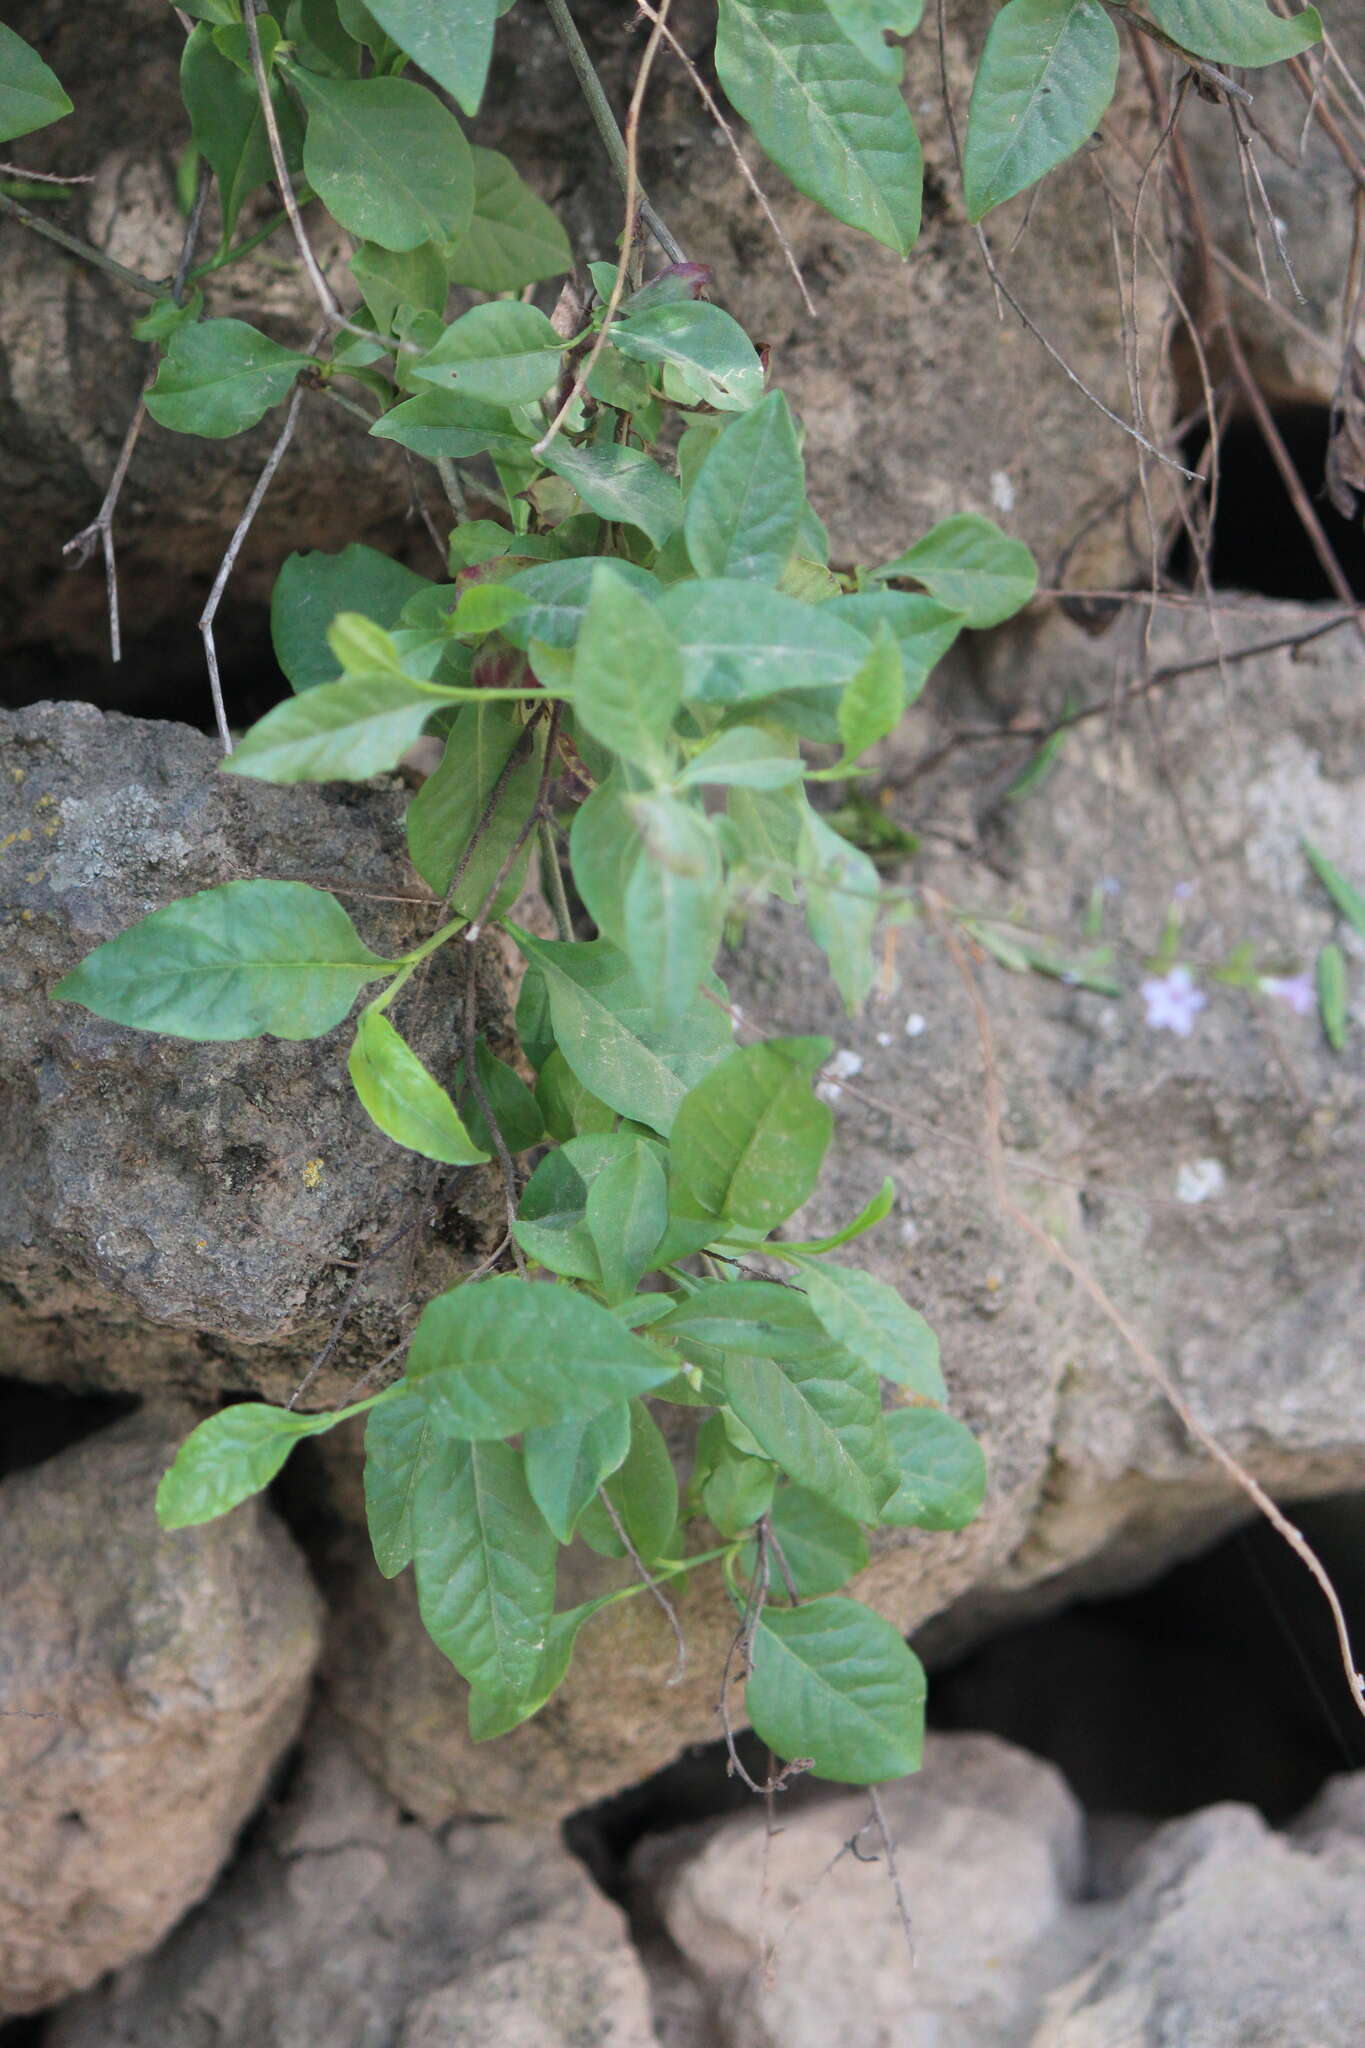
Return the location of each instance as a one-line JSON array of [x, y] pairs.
[[553, 879], [253, 241], [613, 141], [151, 288], [664, 1569]]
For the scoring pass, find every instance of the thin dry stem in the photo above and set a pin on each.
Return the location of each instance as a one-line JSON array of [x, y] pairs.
[[656, 1591]]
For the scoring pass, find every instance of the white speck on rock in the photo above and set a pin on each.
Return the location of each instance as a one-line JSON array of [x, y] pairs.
[[828, 1091], [883, 1038], [1198, 1179], [845, 1065], [914, 1024], [1002, 491]]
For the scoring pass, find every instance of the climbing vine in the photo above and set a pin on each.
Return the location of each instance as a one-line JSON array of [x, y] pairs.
[[642, 669]]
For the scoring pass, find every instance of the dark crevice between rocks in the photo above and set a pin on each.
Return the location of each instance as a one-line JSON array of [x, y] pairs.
[[1259, 542], [24, 2033], [38, 1422]]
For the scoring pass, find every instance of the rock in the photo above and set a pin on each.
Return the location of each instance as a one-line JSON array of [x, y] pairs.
[[347, 1923], [183, 1215], [149, 1684], [1213, 1932]]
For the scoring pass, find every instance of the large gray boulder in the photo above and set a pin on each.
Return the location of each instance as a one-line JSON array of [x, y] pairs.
[[149, 1684], [349, 1924], [189, 1215]]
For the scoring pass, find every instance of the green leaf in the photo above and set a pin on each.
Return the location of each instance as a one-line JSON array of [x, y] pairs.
[[1046, 76], [570, 1110], [492, 1713], [735, 1487], [709, 349], [452, 41], [834, 1683], [230, 1457], [865, 22], [942, 1467], [744, 757], [398, 1442], [558, 595], [644, 1493], [1239, 32], [674, 904], [626, 1215], [510, 1354], [513, 238], [1332, 996], [605, 848], [769, 825], [502, 354], [387, 160], [758, 1316], [228, 125], [231, 962], [622, 484], [552, 1220], [923, 628], [969, 565], [445, 423], [219, 377], [401, 281], [841, 890], [408, 1105], [447, 809], [749, 1139], [1349, 901], [879, 1207], [870, 1320], [567, 1463], [312, 588], [826, 114], [316, 30], [165, 316], [514, 1107], [741, 642], [874, 699], [823, 1549], [745, 508], [484, 1559], [820, 1419], [30, 94], [627, 675], [605, 1026], [344, 731]]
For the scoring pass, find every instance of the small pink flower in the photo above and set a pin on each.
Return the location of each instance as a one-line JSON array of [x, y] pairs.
[[1295, 989], [1173, 1002]]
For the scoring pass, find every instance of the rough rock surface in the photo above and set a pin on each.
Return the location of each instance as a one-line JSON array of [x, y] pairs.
[[181, 1214], [347, 1924], [149, 1683], [1212, 1932]]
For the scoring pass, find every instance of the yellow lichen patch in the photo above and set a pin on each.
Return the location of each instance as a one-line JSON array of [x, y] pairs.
[[20, 838], [312, 1173]]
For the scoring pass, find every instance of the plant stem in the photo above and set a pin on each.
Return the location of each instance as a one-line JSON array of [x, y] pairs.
[[150, 287], [605, 122]]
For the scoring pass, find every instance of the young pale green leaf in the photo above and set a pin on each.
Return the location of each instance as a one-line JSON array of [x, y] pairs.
[[228, 126], [405, 1101], [447, 809], [513, 238], [311, 589], [344, 731], [870, 1320], [708, 348], [570, 1110], [820, 1419], [1240, 32], [231, 962], [841, 890], [735, 1486], [30, 94], [879, 1207], [968, 564], [605, 849], [745, 508], [1331, 979], [745, 757], [509, 1355], [219, 377], [558, 595], [874, 698], [823, 1549], [833, 1683], [446, 423], [627, 675], [230, 1457], [399, 282], [923, 628], [826, 114], [674, 903], [398, 1441], [552, 1220], [1348, 900], [741, 642], [386, 158], [626, 1215], [605, 1026], [644, 1493], [484, 1560], [567, 1463], [1046, 76], [942, 1468], [768, 825], [622, 484], [503, 354], [749, 1139], [492, 1713], [452, 41]]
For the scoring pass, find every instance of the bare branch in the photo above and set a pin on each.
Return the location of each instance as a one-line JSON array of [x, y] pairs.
[[150, 287], [585, 71], [656, 1590]]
